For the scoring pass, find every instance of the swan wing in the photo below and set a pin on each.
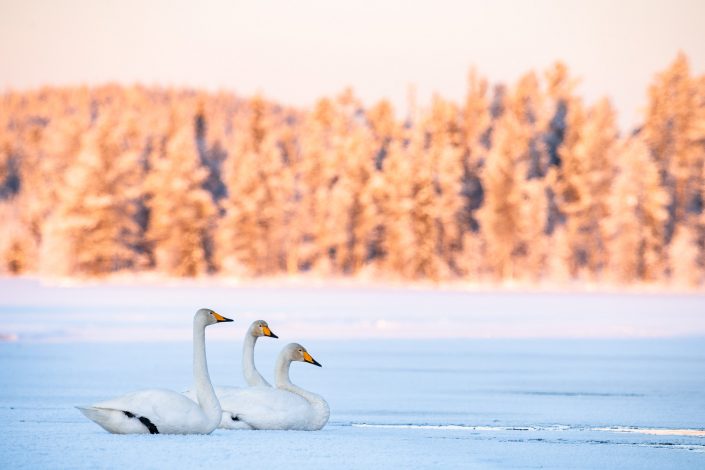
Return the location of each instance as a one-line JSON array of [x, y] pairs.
[[265, 408], [152, 410]]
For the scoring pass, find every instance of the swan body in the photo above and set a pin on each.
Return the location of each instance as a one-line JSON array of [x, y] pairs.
[[160, 411], [285, 406]]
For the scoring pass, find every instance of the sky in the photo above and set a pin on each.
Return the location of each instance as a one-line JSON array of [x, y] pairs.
[[298, 51]]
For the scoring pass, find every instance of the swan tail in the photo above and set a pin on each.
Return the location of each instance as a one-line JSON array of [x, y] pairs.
[[232, 421], [118, 421], [92, 413]]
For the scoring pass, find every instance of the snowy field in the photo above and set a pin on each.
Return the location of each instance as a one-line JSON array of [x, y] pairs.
[[415, 378]]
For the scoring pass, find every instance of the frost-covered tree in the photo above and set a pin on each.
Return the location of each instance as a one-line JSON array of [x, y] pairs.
[[181, 212], [253, 230], [445, 156], [93, 231], [565, 172], [423, 216], [637, 215], [356, 201], [396, 203], [317, 174], [514, 210], [240, 244], [500, 215], [670, 130], [587, 170], [476, 130]]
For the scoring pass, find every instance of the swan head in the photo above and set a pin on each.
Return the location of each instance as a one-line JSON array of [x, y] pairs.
[[261, 328], [209, 317], [296, 352]]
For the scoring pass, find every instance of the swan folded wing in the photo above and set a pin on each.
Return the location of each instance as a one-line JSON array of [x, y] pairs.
[[230, 420], [169, 412], [233, 422], [267, 408]]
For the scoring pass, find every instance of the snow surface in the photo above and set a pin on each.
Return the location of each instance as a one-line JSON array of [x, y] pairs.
[[101, 312], [512, 402]]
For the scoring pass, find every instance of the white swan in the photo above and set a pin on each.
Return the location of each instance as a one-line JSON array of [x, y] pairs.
[[284, 407], [163, 411]]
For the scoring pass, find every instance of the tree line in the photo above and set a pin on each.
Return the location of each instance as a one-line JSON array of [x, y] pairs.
[[515, 183]]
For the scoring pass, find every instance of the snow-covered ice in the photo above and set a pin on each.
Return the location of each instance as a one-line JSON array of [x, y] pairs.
[[101, 312], [633, 400]]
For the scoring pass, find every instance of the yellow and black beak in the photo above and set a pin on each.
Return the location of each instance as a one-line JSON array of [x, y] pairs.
[[220, 317], [268, 332], [311, 360]]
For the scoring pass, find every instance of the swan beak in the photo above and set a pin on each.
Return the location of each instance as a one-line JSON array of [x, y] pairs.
[[311, 360], [268, 332], [221, 318]]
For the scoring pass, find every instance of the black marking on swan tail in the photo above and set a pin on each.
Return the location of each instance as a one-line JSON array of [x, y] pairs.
[[147, 423], [235, 418], [150, 425]]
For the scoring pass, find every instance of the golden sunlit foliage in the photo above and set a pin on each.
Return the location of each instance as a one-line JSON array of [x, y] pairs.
[[515, 183]]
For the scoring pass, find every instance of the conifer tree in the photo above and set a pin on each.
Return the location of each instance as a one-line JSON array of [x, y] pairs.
[[352, 214], [637, 213], [499, 216], [94, 219], [566, 173], [585, 176], [180, 210], [240, 245], [669, 130], [509, 234], [396, 204], [445, 157], [476, 130], [253, 230], [317, 175], [423, 222]]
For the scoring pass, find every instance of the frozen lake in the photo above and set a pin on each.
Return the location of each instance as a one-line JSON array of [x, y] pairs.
[[32, 311], [465, 396]]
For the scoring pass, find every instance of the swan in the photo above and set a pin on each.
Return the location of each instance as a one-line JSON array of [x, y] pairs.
[[285, 406], [159, 411]]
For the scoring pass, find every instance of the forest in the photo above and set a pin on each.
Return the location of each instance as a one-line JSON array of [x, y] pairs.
[[520, 182]]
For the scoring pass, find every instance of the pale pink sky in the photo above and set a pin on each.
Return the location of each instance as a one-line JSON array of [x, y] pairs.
[[297, 51]]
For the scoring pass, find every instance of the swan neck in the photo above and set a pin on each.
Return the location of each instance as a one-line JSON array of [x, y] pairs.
[[284, 382], [281, 371], [207, 399], [249, 370]]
